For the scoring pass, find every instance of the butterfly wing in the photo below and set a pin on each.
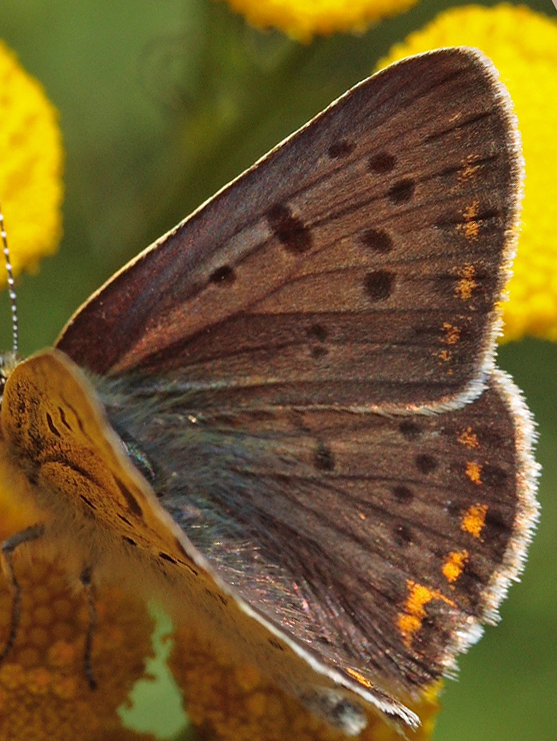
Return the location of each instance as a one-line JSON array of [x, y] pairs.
[[357, 265], [355, 269], [377, 543]]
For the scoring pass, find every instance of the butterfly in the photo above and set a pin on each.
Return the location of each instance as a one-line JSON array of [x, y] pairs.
[[285, 416]]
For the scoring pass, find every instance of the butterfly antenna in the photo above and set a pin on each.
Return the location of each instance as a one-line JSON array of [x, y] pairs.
[[11, 284]]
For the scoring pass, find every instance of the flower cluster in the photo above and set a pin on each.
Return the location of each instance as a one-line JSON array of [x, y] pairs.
[[234, 702], [31, 159], [44, 693], [308, 18]]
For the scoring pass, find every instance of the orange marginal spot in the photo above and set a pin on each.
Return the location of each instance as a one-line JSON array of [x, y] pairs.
[[358, 677], [473, 519], [471, 211], [468, 169], [470, 227], [454, 565], [452, 333], [410, 621], [444, 355], [466, 284], [474, 472], [471, 230], [469, 438]]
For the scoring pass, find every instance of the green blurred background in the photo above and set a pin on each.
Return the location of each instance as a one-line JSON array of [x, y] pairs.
[[161, 103]]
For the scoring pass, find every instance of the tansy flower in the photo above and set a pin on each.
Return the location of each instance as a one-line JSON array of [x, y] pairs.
[[44, 693], [233, 702], [523, 46], [30, 166], [306, 18]]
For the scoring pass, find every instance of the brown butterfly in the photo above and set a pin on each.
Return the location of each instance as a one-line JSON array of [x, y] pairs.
[[284, 415]]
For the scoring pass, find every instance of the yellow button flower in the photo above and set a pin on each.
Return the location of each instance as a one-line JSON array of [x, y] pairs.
[[30, 166], [523, 46], [44, 693], [43, 689], [233, 702], [308, 18]]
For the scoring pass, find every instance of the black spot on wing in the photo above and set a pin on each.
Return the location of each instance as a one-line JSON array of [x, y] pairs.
[[319, 351], [379, 284], [382, 162], [402, 191], [409, 429], [52, 426], [289, 230], [166, 557], [63, 418], [494, 476], [341, 148], [275, 644], [323, 458], [131, 501], [426, 463], [403, 494], [223, 276], [377, 240], [317, 332]]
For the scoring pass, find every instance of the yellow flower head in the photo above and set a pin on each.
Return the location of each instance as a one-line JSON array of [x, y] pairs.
[[303, 19], [523, 46], [44, 693], [233, 702], [30, 166]]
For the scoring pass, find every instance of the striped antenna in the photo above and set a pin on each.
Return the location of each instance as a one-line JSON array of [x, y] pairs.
[[11, 284]]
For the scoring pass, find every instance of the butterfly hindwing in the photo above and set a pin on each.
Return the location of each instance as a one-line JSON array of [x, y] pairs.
[[378, 543], [357, 265]]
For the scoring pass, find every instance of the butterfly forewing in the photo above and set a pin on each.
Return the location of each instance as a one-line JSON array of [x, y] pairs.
[[357, 265]]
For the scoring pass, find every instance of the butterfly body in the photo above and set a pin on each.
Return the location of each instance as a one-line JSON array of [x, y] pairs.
[[286, 411]]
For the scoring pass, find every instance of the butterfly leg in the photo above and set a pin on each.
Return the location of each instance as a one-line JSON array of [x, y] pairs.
[[7, 549], [89, 590]]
